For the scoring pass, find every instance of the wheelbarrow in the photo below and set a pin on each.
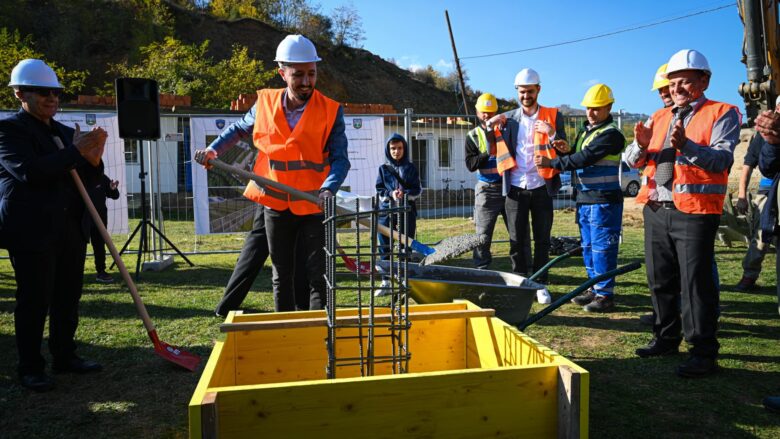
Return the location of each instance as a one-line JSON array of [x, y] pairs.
[[510, 294]]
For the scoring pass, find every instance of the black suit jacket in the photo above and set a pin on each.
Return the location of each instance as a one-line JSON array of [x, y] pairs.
[[36, 189]]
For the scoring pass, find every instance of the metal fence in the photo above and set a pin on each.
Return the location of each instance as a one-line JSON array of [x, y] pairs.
[[436, 147]]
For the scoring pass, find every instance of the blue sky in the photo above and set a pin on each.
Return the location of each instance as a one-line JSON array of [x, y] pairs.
[[414, 33]]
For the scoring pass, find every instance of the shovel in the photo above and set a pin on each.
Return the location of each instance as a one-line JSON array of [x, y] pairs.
[[446, 249], [171, 353]]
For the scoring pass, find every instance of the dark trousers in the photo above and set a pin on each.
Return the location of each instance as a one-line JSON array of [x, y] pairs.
[[49, 282], [251, 260], [398, 224], [283, 228], [98, 244], [679, 254], [519, 203]]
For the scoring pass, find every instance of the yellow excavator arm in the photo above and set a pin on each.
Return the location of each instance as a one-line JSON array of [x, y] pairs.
[[760, 55]]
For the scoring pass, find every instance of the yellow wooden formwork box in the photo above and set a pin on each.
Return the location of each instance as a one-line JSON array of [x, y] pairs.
[[470, 376]]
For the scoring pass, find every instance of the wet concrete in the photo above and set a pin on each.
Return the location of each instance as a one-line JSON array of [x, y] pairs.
[[452, 247]]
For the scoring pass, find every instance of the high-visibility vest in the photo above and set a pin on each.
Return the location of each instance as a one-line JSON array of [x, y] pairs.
[[694, 190], [490, 168], [542, 146], [504, 159], [296, 158], [604, 174]]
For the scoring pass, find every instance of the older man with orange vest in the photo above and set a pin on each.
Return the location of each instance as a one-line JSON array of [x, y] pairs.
[[301, 142], [530, 130], [687, 153]]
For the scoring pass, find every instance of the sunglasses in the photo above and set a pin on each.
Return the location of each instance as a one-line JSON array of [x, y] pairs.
[[43, 91]]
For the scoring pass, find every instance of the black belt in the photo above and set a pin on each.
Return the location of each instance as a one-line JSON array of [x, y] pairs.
[[655, 205]]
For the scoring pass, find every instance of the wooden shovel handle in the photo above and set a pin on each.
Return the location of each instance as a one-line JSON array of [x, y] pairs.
[[262, 181], [139, 304]]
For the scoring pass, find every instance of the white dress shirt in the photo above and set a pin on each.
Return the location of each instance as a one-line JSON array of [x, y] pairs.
[[525, 175]]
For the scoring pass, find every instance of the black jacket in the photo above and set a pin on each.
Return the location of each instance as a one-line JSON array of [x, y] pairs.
[[769, 164], [36, 188]]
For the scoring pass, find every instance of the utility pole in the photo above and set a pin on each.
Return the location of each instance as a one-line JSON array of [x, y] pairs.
[[457, 65]]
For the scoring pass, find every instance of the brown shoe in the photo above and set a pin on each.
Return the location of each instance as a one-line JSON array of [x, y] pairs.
[[600, 304], [584, 298]]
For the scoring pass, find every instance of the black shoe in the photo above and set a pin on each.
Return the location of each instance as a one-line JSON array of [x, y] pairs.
[[745, 284], [657, 348], [647, 319], [772, 403], [76, 365], [40, 382], [584, 298], [600, 304], [104, 278], [697, 367]]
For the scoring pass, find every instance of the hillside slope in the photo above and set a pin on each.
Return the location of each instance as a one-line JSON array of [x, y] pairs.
[[110, 31]]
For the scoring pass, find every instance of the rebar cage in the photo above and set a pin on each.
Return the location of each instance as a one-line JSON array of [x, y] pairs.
[[354, 279]]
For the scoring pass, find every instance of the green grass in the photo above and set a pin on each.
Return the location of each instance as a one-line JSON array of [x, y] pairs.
[[140, 395]]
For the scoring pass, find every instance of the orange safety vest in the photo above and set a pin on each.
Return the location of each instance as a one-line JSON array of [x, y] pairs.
[[295, 158], [504, 159], [694, 190], [542, 146]]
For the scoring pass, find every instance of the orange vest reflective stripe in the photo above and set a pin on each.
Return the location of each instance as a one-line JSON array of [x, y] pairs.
[[504, 159], [542, 146], [296, 158], [694, 190]]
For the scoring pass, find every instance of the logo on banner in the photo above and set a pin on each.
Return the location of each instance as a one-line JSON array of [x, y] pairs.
[[91, 119], [220, 123], [357, 123]]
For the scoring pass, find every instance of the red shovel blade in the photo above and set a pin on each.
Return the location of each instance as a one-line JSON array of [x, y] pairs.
[[364, 268], [173, 354]]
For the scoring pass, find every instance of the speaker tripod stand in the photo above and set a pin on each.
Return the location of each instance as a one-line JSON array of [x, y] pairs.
[[143, 244]]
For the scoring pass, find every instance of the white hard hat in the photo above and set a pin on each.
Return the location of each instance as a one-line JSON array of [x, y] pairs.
[[688, 59], [33, 73], [527, 77], [296, 49]]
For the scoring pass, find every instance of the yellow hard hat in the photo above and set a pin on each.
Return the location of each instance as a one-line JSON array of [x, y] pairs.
[[487, 103], [597, 96], [660, 80]]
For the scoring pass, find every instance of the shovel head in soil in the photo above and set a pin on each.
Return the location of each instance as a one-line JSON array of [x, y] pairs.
[[173, 354]]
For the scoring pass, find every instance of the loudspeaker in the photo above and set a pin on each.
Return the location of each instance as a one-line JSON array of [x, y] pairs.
[[138, 108]]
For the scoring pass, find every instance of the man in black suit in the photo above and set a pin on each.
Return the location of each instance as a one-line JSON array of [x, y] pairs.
[[42, 221], [104, 188]]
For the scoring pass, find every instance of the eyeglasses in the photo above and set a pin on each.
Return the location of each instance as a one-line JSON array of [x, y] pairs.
[[43, 91]]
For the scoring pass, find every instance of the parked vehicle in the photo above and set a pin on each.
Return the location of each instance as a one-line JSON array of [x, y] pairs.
[[630, 181]]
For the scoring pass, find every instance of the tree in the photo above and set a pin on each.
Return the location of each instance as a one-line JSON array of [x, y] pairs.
[[347, 26], [14, 48], [314, 25], [185, 69]]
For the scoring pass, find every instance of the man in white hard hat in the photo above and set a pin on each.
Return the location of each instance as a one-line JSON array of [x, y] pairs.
[[596, 161], [687, 153], [43, 221], [301, 142], [531, 130], [633, 152]]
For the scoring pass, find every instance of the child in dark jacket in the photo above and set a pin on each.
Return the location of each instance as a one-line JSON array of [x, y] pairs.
[[398, 176]]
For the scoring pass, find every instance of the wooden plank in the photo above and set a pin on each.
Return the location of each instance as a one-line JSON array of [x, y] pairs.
[[351, 320], [503, 403], [569, 389], [485, 345], [209, 416], [193, 409], [299, 354]]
